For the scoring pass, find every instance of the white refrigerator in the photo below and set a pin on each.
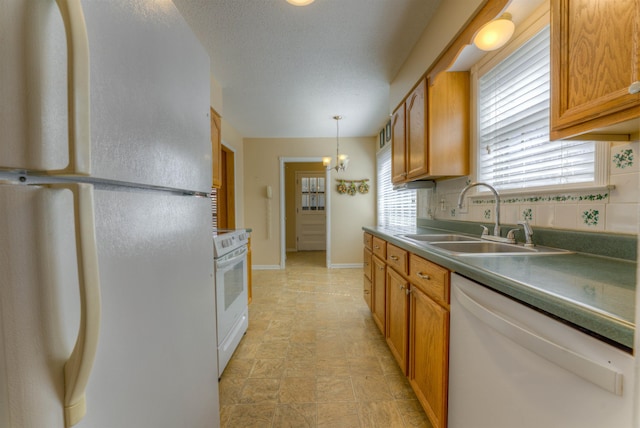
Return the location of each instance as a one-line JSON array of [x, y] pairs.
[[107, 299]]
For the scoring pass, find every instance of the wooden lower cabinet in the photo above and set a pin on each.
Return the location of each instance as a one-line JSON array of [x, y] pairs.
[[378, 292], [409, 302], [367, 267], [397, 317], [366, 291], [429, 355]]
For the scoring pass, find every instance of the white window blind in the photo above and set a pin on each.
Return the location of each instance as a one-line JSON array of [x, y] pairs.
[[514, 151], [395, 207]]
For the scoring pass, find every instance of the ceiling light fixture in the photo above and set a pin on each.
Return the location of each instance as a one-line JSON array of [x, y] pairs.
[[341, 160], [494, 34], [300, 2]]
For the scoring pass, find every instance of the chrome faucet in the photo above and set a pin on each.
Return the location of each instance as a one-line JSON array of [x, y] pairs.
[[528, 233], [496, 229]]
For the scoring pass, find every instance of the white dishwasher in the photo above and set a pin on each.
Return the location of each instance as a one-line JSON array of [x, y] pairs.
[[513, 367]]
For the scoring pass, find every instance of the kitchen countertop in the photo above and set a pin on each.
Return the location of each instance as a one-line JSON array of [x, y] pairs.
[[594, 293]]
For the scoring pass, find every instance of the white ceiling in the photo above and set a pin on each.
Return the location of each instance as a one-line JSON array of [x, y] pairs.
[[285, 71]]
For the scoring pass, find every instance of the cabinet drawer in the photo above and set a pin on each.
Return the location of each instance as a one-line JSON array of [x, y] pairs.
[[430, 278], [397, 258], [380, 247], [368, 240]]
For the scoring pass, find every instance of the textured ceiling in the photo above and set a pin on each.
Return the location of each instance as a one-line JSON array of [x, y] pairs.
[[285, 71]]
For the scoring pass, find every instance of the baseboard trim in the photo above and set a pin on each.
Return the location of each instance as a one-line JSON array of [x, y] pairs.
[[346, 266], [265, 267]]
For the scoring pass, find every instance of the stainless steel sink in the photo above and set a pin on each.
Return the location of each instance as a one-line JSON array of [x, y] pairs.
[[440, 238], [484, 248]]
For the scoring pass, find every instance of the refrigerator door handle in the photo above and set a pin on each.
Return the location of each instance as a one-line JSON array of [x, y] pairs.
[[78, 367], [79, 143]]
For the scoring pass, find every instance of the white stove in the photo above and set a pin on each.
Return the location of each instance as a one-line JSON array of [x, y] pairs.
[[232, 313], [227, 240]]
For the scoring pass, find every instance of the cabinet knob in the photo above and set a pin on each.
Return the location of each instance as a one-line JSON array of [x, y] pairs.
[[408, 291], [634, 88], [423, 276], [394, 258]]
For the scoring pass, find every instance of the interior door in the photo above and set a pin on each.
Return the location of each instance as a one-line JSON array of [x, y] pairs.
[[311, 217]]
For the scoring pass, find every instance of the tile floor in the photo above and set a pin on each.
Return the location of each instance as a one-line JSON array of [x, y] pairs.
[[313, 356]]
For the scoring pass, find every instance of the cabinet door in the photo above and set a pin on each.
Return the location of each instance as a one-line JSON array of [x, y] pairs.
[[366, 291], [397, 317], [368, 268], [216, 149], [449, 124], [416, 123], [398, 147], [429, 355], [367, 263], [378, 301], [594, 60]]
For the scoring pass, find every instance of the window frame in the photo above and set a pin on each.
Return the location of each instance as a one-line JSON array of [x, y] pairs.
[[528, 29]]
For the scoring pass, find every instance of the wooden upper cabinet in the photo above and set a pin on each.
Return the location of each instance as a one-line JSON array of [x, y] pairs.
[[595, 57], [448, 126], [416, 131], [216, 149], [398, 146], [431, 130]]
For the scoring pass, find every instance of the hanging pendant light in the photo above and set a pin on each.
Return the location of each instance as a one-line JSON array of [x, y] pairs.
[[342, 160]]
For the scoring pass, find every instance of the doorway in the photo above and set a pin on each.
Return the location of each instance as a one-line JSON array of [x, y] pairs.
[[310, 218], [306, 222]]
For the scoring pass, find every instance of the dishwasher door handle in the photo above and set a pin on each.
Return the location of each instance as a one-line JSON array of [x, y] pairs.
[[605, 377]]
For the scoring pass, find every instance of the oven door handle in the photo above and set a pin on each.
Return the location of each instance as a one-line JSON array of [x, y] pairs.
[[223, 263]]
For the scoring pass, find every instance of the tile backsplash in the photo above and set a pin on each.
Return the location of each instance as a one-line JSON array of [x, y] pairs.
[[615, 209]]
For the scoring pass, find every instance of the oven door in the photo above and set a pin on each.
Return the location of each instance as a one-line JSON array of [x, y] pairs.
[[231, 290]]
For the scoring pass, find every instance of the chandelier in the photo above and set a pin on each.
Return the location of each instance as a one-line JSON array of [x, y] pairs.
[[342, 160]]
